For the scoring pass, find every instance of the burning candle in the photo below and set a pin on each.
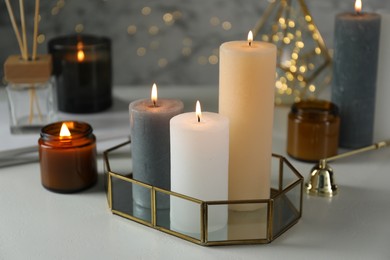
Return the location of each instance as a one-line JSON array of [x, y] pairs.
[[67, 154], [150, 145], [356, 44], [82, 69], [246, 97], [199, 162], [80, 52]]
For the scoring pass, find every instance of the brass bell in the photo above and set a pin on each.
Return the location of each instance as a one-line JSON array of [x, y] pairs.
[[321, 180]]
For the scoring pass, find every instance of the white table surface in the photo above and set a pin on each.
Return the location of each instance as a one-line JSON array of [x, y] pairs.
[[38, 224]]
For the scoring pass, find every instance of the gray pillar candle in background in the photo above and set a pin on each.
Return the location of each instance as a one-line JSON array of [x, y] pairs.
[[150, 146], [356, 44], [382, 103]]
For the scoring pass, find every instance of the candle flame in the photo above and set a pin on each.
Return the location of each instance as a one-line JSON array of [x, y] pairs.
[[80, 52], [358, 6], [154, 94], [250, 38], [64, 130], [80, 55], [198, 110]]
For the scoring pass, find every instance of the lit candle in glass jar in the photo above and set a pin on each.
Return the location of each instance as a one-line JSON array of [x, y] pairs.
[[82, 69], [67, 154]]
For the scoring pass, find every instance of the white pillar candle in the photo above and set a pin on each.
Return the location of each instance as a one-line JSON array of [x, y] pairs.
[[246, 97], [199, 169]]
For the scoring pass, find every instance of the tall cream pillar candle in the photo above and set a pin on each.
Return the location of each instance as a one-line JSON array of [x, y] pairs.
[[246, 97]]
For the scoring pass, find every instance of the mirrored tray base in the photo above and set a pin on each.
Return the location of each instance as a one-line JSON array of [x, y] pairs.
[[206, 223]]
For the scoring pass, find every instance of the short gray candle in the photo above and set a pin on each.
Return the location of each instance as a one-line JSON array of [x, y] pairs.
[[356, 44], [150, 146]]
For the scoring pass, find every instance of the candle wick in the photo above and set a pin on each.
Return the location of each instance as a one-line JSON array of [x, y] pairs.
[[198, 119], [250, 43], [154, 103]]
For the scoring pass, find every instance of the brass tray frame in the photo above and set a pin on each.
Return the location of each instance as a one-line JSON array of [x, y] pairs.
[[278, 214]]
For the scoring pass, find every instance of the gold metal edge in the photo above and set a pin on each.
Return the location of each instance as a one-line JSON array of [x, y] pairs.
[[270, 215], [237, 242], [203, 223], [124, 215], [179, 195], [109, 190], [283, 230], [203, 209], [154, 208], [179, 235]]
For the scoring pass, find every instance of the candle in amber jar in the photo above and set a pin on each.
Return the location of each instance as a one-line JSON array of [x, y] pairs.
[[313, 130], [67, 154]]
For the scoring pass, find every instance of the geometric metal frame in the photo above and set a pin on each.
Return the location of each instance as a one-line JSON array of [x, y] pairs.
[[278, 206], [316, 37]]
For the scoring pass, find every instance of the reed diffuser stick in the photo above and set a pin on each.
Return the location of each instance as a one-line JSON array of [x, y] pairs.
[[24, 35], [35, 35], [31, 116], [25, 57], [14, 26], [38, 107], [34, 56]]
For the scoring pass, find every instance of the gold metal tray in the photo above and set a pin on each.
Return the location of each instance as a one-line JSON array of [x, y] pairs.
[[272, 217]]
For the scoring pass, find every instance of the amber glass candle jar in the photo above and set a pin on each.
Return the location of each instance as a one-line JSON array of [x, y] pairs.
[[313, 130], [67, 154]]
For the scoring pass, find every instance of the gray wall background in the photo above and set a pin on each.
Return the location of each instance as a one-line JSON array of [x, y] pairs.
[[170, 41]]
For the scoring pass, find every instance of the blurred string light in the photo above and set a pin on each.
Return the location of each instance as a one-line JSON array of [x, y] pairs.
[[154, 31], [303, 59], [41, 38], [57, 7], [162, 62], [132, 29], [214, 21], [146, 10], [79, 28], [141, 51], [55, 10], [226, 25], [168, 19]]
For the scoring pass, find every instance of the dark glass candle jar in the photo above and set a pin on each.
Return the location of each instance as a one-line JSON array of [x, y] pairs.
[[82, 70], [68, 160], [313, 130]]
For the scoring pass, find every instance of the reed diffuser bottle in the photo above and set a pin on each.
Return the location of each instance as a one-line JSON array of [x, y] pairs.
[[29, 84]]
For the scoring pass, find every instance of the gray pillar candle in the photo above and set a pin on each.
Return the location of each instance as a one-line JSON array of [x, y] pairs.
[[356, 44], [150, 146]]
